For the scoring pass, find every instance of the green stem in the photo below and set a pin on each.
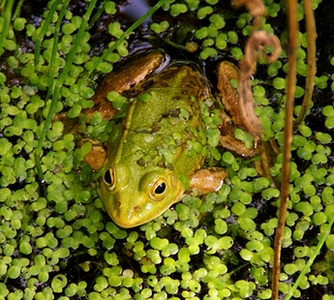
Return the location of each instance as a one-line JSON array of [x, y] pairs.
[[323, 237], [7, 15], [97, 14], [18, 9], [55, 39], [58, 85], [44, 29]]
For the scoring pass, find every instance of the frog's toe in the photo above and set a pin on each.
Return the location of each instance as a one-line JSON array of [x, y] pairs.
[[96, 157], [208, 180]]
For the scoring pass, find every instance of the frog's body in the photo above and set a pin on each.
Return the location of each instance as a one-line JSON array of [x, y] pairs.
[[151, 148], [156, 151]]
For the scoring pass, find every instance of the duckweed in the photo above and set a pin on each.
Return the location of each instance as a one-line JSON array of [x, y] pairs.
[[56, 239]]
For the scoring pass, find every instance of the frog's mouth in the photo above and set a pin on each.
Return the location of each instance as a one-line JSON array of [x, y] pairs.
[[128, 217]]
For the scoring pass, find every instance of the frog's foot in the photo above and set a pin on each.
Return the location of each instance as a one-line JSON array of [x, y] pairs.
[[239, 113], [268, 157], [232, 116], [257, 44], [228, 140], [207, 180], [97, 156]]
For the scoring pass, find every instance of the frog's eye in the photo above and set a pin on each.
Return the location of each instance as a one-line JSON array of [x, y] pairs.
[[158, 190], [109, 179]]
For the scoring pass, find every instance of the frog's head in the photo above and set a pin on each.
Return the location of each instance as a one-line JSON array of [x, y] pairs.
[[132, 199]]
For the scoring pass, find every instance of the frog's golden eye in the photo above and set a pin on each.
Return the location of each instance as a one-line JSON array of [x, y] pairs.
[[109, 179], [158, 190]]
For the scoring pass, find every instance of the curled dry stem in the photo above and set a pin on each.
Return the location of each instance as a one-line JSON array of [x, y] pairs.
[[255, 8], [256, 45]]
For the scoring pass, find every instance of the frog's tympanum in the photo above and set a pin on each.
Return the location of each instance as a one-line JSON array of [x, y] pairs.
[[155, 153]]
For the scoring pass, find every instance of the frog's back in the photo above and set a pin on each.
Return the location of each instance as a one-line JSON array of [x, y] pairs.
[[157, 130]]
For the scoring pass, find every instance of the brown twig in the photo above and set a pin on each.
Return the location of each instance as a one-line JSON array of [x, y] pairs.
[[255, 46], [291, 79], [311, 36]]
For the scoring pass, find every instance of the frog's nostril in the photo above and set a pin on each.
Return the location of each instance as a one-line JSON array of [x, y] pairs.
[[118, 204], [137, 208]]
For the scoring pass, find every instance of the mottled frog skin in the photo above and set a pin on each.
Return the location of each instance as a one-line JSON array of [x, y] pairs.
[[156, 152], [153, 147]]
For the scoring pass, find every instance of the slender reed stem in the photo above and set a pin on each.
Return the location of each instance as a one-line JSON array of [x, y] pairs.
[[290, 91], [311, 36]]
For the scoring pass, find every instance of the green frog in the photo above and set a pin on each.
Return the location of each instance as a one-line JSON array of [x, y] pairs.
[[156, 153]]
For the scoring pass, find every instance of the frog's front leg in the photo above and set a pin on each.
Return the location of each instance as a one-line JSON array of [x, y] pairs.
[[234, 117], [123, 80]]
